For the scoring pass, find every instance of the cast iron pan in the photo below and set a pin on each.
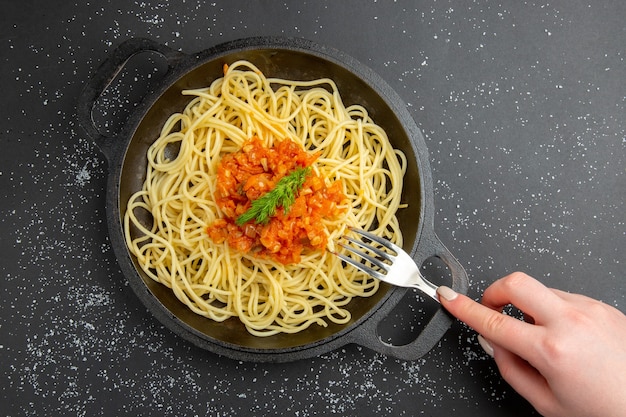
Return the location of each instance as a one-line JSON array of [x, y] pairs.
[[276, 57]]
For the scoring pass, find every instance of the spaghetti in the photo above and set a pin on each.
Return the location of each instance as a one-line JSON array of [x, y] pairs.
[[180, 199]]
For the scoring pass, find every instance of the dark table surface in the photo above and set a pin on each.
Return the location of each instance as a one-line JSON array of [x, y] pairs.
[[522, 105]]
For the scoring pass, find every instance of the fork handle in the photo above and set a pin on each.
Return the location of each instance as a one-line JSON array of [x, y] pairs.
[[367, 333], [425, 286]]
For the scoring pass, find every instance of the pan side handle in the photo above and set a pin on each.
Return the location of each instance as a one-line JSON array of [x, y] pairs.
[[104, 76], [367, 334]]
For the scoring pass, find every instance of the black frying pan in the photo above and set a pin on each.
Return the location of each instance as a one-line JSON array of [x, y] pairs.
[[292, 59]]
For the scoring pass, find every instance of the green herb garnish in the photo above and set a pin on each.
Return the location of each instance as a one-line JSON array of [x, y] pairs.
[[284, 194]]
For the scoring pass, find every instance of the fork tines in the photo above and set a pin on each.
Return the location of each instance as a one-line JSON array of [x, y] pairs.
[[381, 260]]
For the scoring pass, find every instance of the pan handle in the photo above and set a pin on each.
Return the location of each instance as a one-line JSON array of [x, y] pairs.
[[367, 333], [103, 77]]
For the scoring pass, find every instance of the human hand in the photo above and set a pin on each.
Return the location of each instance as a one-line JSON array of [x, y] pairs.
[[567, 359]]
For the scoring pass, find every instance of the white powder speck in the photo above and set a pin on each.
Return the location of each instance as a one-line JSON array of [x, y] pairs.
[[83, 176]]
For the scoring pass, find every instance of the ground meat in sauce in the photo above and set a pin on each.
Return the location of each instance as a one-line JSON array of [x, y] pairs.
[[246, 175]]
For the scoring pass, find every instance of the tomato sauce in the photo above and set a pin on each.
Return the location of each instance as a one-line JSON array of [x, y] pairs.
[[246, 175]]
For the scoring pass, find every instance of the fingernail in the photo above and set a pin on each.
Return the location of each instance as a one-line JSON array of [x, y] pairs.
[[447, 293], [485, 345]]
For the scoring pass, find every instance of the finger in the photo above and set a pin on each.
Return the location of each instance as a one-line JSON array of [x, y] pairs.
[[523, 377], [506, 331], [525, 293]]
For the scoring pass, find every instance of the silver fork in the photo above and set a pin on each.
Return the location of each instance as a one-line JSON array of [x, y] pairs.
[[392, 265]]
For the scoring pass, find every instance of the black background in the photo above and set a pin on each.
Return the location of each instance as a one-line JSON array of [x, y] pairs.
[[522, 107]]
